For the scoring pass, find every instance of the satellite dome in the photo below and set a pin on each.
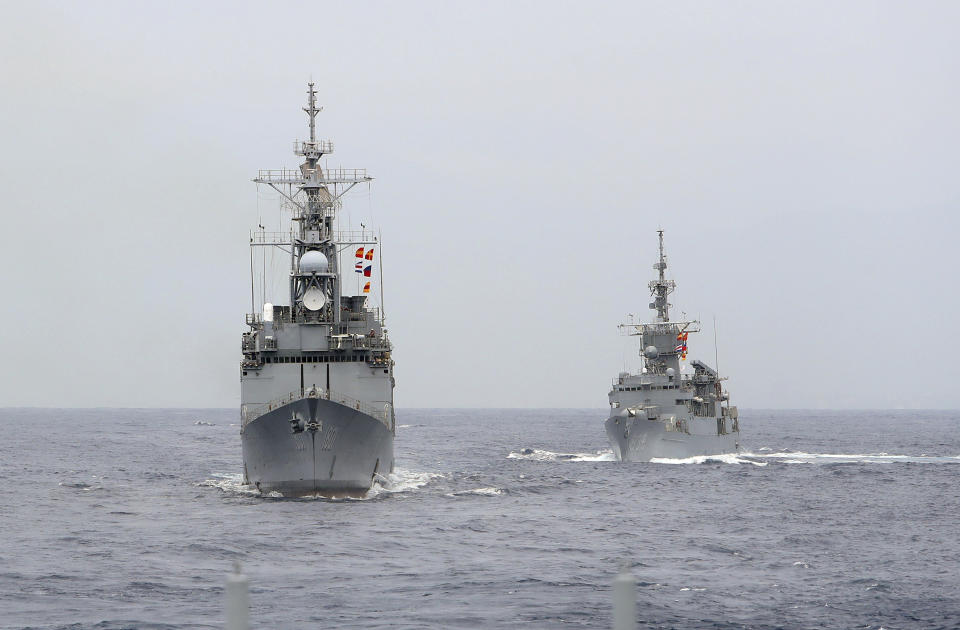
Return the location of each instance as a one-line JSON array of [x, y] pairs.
[[651, 352], [314, 262], [671, 372]]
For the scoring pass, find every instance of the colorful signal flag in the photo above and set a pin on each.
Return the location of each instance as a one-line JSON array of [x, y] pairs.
[[366, 288], [369, 254], [368, 270], [358, 267], [359, 252]]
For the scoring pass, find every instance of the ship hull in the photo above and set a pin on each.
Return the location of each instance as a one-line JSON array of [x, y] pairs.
[[314, 446], [638, 439]]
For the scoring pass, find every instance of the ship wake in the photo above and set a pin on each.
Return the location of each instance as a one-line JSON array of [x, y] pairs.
[[790, 457]]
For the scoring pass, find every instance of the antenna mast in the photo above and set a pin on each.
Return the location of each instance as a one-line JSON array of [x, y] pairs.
[[661, 287], [312, 111]]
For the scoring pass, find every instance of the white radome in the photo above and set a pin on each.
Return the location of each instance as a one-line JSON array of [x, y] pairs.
[[314, 262]]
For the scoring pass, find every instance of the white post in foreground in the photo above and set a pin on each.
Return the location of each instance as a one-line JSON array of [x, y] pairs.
[[624, 601], [238, 600]]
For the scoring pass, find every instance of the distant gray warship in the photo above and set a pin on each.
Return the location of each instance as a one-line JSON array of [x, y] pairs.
[[316, 388], [661, 413]]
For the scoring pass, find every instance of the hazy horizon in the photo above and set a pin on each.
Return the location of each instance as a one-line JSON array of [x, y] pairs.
[[801, 158]]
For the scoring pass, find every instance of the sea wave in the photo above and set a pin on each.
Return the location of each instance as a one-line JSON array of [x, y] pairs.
[[539, 455], [480, 492], [790, 457]]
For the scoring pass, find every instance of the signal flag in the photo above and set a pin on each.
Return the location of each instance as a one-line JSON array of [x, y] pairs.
[[368, 270], [366, 288], [359, 252], [369, 254]]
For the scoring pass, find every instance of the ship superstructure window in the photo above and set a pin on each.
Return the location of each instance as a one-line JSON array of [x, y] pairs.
[[339, 358]]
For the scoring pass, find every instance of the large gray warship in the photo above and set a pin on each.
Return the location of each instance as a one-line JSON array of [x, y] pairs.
[[659, 412], [316, 384]]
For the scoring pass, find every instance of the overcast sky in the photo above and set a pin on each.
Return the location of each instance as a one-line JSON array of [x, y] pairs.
[[802, 158]]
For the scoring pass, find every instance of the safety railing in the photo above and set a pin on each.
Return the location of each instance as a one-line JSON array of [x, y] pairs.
[[249, 413], [345, 175], [301, 147], [355, 236], [346, 342], [278, 175], [326, 176], [268, 343], [262, 237]]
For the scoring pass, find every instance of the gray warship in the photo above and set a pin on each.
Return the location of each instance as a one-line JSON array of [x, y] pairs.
[[659, 412], [316, 384]]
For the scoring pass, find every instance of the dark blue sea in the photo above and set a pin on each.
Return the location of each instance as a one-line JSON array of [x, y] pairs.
[[117, 518]]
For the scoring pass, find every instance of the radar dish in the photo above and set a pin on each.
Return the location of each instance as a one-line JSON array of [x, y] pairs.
[[314, 299]]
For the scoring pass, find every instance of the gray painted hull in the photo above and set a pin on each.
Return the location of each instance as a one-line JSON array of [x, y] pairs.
[[640, 440], [341, 458]]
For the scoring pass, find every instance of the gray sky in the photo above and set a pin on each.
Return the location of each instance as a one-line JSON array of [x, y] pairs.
[[802, 158]]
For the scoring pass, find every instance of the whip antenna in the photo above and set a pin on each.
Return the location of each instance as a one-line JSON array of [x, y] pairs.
[[716, 353]]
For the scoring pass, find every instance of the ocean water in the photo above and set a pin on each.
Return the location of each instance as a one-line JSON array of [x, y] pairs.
[[493, 519]]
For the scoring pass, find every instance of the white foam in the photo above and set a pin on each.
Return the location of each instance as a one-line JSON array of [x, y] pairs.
[[482, 492], [538, 455], [401, 480], [726, 458], [231, 483], [398, 481]]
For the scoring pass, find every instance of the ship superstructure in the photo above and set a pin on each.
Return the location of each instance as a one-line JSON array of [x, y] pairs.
[[317, 373], [662, 412]]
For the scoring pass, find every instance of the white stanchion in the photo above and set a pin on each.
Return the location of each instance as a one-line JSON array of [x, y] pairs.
[[238, 600], [624, 601]]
